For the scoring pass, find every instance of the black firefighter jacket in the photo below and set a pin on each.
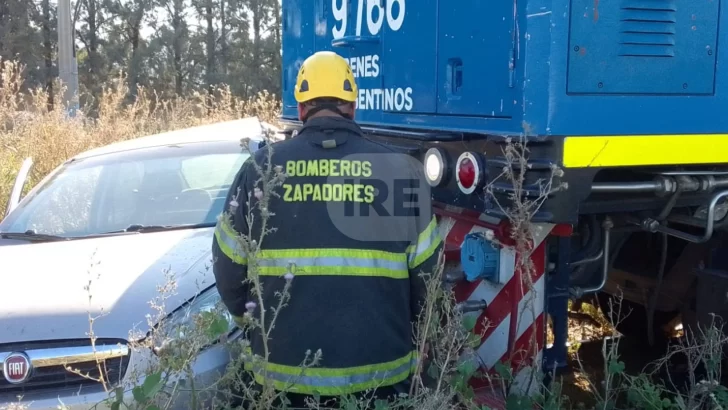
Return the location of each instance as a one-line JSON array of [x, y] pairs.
[[354, 277]]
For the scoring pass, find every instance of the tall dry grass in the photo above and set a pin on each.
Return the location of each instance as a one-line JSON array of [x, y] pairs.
[[28, 128]]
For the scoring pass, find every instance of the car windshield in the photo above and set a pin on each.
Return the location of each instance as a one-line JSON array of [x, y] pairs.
[[161, 186]]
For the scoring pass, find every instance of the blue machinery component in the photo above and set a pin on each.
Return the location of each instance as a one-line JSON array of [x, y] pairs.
[[557, 306], [479, 258], [556, 67]]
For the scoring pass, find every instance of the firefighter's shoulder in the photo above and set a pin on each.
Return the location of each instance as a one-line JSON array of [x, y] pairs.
[[278, 153], [260, 156], [380, 146], [397, 156], [276, 147]]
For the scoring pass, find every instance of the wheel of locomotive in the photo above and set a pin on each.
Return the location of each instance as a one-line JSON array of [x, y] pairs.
[[631, 319]]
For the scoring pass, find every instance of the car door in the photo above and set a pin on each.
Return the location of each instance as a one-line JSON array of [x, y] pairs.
[[20, 181]]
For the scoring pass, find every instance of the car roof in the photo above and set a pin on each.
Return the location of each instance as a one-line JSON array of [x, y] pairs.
[[234, 130]]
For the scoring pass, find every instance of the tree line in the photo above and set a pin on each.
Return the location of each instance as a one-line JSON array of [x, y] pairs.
[[170, 47]]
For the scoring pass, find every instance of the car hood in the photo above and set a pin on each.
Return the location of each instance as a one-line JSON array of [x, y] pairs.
[[46, 286]]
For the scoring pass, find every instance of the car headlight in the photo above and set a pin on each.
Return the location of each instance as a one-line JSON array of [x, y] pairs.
[[204, 319]]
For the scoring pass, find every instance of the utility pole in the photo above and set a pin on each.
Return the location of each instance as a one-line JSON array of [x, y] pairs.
[[67, 66]]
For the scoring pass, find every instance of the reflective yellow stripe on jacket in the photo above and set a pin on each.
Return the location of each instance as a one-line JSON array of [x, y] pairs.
[[345, 262], [228, 241], [334, 382], [336, 261], [427, 243]]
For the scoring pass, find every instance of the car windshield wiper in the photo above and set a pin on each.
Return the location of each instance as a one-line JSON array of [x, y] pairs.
[[31, 235], [160, 228]]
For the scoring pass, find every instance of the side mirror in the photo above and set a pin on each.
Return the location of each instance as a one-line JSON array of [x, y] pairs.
[[20, 180]]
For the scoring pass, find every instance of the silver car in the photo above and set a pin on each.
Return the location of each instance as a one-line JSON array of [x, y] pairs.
[[97, 238]]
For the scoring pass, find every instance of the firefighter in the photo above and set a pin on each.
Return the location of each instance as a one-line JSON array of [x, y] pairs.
[[354, 282]]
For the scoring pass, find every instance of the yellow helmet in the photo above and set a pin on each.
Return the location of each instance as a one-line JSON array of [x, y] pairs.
[[325, 74]]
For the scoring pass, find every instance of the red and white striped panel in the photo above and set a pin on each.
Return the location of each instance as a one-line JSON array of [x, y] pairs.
[[515, 308]]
